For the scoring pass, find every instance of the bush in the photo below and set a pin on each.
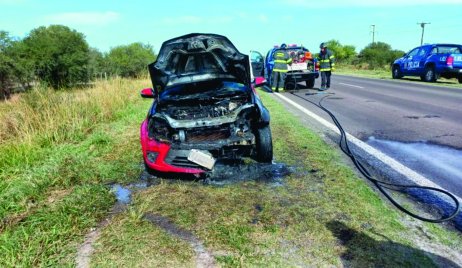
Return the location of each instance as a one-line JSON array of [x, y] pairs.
[[130, 60], [59, 55], [343, 53], [378, 55]]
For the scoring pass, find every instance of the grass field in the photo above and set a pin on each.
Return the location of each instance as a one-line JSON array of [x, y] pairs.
[[386, 74], [59, 152]]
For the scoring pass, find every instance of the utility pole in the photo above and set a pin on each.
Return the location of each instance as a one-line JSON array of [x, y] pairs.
[[373, 33], [422, 24]]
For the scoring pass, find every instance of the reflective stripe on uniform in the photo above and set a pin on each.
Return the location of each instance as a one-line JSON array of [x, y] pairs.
[[283, 61], [280, 70]]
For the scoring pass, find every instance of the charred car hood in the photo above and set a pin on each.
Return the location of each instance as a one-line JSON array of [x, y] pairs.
[[198, 57]]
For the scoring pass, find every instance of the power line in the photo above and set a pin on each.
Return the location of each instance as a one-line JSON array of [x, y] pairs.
[[422, 24]]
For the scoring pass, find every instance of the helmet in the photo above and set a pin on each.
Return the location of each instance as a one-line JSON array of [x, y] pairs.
[[283, 45], [323, 45]]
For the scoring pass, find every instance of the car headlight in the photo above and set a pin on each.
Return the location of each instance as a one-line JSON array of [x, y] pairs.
[[160, 129]]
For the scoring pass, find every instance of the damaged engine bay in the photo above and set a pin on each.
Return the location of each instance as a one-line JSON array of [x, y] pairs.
[[218, 120], [205, 107]]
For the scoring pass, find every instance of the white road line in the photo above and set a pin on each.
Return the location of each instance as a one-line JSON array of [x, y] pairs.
[[350, 85], [392, 163]]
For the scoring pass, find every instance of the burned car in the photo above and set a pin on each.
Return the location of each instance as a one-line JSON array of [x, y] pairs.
[[205, 107]]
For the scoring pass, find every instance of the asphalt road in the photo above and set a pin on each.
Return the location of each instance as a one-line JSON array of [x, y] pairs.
[[392, 110], [419, 125]]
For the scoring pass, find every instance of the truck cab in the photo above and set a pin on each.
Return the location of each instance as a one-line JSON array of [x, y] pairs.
[[303, 67]]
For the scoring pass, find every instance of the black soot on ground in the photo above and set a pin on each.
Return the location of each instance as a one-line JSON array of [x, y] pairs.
[[228, 172]]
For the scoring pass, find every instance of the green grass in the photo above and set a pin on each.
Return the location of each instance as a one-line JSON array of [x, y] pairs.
[[323, 215], [386, 74], [52, 184]]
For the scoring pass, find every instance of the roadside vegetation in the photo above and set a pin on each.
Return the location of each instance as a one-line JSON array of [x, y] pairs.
[[59, 57], [58, 152]]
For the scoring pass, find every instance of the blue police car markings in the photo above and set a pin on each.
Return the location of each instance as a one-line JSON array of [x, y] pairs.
[[412, 64], [443, 58]]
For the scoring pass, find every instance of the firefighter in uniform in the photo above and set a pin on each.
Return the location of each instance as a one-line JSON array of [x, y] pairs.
[[327, 65], [281, 60]]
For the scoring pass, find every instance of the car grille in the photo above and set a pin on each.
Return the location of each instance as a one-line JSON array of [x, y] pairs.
[[208, 134], [181, 161], [179, 158]]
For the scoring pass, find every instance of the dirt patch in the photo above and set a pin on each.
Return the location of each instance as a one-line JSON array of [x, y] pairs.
[[123, 199], [443, 256], [86, 249], [204, 258]]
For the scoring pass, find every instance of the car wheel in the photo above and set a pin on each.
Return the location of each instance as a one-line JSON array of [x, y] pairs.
[[396, 72], [429, 75], [264, 146], [310, 83], [460, 79]]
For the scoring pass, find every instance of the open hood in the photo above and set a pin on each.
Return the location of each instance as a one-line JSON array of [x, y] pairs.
[[198, 57]]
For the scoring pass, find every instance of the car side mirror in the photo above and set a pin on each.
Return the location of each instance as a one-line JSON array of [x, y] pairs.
[[260, 81], [149, 93]]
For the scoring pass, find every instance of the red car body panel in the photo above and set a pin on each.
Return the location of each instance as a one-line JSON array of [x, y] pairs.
[[151, 145]]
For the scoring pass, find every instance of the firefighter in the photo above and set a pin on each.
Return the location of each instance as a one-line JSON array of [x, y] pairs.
[[327, 65], [281, 60]]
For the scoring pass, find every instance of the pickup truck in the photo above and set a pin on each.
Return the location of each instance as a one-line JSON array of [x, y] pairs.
[[430, 62], [304, 67]]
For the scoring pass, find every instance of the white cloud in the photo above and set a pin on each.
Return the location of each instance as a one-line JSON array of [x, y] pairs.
[[356, 3], [83, 18]]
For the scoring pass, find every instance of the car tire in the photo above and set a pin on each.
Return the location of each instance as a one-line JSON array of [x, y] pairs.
[[264, 146], [310, 83], [460, 79], [396, 72], [429, 75]]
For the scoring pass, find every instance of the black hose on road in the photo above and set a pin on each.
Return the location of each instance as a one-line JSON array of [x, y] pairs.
[[382, 185]]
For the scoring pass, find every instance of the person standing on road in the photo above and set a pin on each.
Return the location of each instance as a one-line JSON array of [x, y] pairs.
[[327, 65], [281, 60]]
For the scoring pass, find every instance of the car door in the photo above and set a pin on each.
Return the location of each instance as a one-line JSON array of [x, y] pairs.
[[409, 62], [418, 60], [257, 64]]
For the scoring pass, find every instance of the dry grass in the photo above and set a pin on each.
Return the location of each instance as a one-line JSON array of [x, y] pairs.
[[57, 116]]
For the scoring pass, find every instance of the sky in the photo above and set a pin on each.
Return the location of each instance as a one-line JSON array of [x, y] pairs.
[[250, 25]]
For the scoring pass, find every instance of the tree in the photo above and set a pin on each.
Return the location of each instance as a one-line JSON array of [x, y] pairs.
[[96, 63], [130, 60], [343, 54], [379, 55], [6, 74], [60, 55]]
